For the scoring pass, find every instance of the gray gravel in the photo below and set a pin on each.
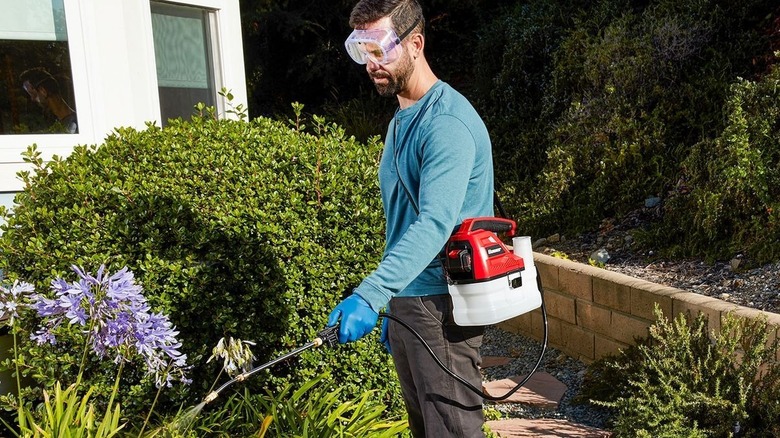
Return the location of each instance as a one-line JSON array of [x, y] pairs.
[[525, 352], [758, 288], [729, 280]]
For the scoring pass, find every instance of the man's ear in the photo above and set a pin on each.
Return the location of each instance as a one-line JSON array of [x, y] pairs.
[[417, 41]]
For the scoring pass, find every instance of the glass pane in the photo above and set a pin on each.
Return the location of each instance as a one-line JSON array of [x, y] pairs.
[[36, 90], [32, 20], [182, 54]]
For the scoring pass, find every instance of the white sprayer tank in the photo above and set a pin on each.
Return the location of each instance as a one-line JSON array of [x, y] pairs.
[[493, 301]]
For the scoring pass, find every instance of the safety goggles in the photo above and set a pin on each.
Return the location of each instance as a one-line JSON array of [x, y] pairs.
[[376, 45]]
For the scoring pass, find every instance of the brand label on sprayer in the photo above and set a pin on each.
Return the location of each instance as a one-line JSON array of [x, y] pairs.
[[494, 250]]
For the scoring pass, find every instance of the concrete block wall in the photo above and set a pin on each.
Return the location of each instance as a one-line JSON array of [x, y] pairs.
[[593, 312]]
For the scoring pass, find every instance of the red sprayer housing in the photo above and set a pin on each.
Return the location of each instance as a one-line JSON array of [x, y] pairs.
[[474, 252]]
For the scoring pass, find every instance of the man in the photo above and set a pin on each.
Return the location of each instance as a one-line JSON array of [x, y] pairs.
[[44, 90], [436, 170]]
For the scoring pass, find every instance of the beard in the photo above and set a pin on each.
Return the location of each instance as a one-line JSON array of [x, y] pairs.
[[396, 82]]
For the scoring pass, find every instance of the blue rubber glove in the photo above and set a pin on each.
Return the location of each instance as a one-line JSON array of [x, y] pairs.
[[357, 318], [384, 336]]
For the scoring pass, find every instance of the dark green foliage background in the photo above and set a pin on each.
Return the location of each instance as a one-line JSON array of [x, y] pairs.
[[596, 106], [592, 106], [246, 229]]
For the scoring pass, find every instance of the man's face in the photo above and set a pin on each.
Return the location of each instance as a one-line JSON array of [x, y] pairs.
[[390, 79]]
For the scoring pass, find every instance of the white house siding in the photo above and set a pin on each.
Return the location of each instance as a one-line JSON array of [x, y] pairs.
[[114, 75]]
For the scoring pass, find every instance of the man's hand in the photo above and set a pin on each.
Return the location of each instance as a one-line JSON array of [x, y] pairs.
[[357, 318]]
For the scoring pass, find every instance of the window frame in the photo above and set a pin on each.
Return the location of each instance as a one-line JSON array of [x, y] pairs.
[[214, 62], [226, 47], [12, 145]]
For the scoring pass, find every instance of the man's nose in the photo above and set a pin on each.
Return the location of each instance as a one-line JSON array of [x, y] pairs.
[[372, 65]]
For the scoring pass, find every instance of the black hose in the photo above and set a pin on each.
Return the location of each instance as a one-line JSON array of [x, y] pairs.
[[329, 336], [464, 381]]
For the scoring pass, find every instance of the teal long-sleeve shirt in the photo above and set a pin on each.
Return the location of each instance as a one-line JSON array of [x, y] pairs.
[[439, 151]]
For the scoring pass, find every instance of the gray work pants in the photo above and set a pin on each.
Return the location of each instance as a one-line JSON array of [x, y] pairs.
[[438, 406]]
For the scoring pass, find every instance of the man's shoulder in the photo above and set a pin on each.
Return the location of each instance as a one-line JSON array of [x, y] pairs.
[[70, 118], [70, 122], [448, 98], [447, 91], [454, 106]]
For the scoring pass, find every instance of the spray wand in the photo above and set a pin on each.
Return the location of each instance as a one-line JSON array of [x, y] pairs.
[[328, 335]]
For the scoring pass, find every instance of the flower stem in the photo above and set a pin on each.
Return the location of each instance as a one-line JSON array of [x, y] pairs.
[[149, 414], [19, 409], [116, 386], [214, 383], [16, 364], [151, 409], [84, 355]]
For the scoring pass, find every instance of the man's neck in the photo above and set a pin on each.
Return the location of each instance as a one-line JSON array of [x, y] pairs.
[[419, 83]]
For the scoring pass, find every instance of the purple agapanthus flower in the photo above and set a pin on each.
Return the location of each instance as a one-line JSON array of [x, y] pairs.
[[43, 337], [117, 320]]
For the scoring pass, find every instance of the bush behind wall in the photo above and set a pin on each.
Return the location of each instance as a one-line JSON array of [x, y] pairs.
[[594, 107]]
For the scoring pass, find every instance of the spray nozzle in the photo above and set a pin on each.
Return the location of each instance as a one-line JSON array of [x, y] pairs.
[[328, 335]]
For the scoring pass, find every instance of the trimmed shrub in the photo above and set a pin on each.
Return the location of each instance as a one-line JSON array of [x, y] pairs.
[[246, 229]]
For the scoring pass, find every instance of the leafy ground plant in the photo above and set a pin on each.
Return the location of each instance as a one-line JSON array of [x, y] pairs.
[[312, 410], [305, 413], [683, 381], [67, 414]]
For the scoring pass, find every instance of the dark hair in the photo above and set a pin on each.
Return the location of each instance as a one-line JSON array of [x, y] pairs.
[[403, 14], [39, 77]]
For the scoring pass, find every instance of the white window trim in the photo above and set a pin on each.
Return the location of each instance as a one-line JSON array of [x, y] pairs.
[[12, 145], [56, 144]]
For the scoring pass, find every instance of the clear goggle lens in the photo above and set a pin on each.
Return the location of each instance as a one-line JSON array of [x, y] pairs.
[[376, 45]]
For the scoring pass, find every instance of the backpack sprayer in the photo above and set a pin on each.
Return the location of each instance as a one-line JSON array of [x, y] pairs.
[[488, 284]]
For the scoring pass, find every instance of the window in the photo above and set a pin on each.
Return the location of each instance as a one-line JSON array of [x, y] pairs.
[[36, 90], [183, 53]]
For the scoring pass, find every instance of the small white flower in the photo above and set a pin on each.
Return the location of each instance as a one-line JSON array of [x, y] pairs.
[[11, 300], [236, 355]]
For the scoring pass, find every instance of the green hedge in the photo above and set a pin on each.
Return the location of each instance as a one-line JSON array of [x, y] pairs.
[[245, 229]]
